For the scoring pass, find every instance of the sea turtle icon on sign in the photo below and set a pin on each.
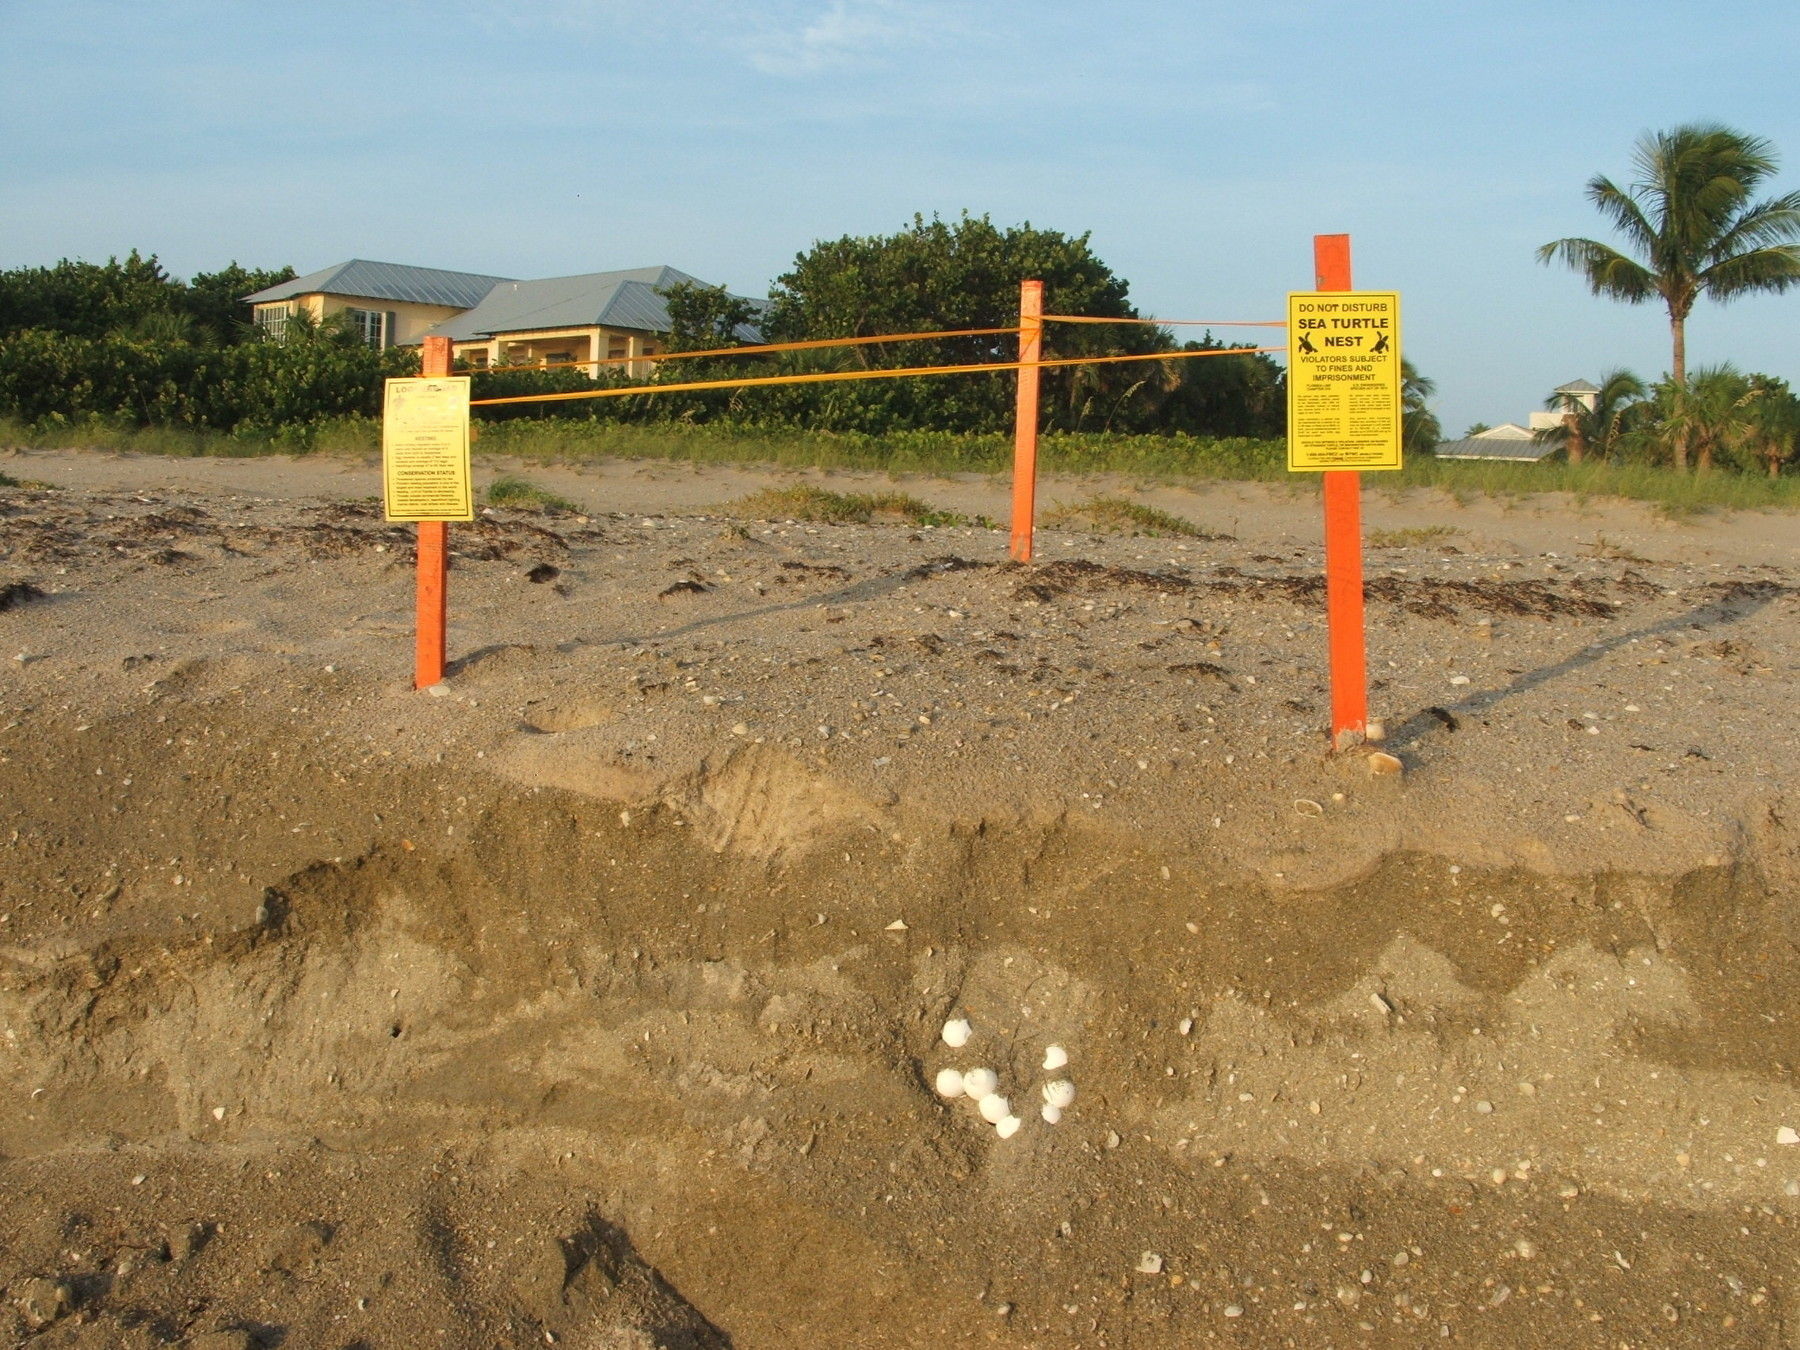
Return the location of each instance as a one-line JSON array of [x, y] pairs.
[[1381, 345], [1306, 347]]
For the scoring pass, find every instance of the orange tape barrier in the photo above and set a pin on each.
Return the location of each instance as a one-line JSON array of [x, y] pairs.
[[825, 377], [1191, 323], [811, 344]]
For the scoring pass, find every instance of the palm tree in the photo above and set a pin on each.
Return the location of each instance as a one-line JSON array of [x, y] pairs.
[[1770, 425], [1690, 220], [1701, 415], [1618, 405], [1420, 430]]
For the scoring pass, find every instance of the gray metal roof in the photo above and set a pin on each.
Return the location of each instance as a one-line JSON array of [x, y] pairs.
[[1576, 387], [625, 299], [387, 281], [1524, 449]]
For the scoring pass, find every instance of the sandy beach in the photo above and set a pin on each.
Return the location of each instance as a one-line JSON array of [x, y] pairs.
[[594, 997]]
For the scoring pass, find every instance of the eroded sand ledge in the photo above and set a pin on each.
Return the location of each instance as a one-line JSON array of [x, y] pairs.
[[592, 957]]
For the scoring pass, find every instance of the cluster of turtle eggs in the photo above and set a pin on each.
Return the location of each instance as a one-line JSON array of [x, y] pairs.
[[982, 1086]]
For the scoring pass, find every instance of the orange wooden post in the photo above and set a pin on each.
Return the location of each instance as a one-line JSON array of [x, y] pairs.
[[432, 611], [1025, 423], [1343, 550]]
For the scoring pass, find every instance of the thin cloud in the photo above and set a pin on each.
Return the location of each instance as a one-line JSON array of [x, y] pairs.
[[846, 32], [789, 39]]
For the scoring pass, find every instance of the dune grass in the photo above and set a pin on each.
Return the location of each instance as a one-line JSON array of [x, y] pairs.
[[924, 452], [1416, 534], [1152, 458], [341, 435], [521, 494], [1675, 494], [802, 501], [1121, 515]]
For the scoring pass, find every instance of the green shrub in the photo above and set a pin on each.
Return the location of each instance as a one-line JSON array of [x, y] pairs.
[[279, 390]]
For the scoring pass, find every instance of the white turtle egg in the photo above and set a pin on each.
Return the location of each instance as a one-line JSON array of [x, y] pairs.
[[1052, 1114], [980, 1083], [950, 1083], [956, 1032], [1007, 1126], [1055, 1057], [995, 1109], [1060, 1093]]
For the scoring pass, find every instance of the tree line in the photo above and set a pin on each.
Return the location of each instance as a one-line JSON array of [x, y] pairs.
[[937, 276], [1718, 417], [125, 340]]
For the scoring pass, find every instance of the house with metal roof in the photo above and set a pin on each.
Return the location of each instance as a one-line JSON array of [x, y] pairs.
[[1508, 441], [596, 317], [389, 304]]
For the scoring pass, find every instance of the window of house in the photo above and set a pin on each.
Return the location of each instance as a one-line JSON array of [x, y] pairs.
[[272, 320], [615, 349], [475, 360], [554, 358], [371, 326]]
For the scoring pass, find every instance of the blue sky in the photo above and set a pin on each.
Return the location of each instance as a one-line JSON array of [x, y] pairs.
[[1201, 143]]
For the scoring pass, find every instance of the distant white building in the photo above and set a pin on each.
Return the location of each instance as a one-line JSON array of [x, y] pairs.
[[1575, 391], [1519, 444]]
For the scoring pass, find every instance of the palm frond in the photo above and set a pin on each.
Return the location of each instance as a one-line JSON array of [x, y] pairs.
[[1625, 212], [1414, 385], [1703, 150], [1775, 221], [1620, 386], [1764, 269], [1608, 271]]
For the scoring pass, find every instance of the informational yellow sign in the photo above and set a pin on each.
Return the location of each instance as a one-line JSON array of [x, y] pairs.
[[425, 449], [1343, 380]]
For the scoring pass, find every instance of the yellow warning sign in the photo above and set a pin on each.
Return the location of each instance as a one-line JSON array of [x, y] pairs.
[[1343, 380], [425, 449]]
